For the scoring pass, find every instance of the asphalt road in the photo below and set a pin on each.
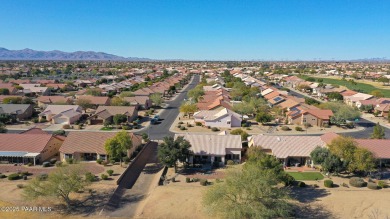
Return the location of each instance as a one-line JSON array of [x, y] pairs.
[[168, 116]]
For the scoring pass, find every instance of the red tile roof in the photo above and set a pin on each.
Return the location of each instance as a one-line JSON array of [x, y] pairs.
[[379, 147], [31, 143]]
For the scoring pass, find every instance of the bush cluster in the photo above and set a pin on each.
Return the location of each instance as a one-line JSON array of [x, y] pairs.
[[301, 184], [382, 184], [372, 185], [13, 176], [99, 161], [357, 182], [230, 162], [328, 183], [288, 180], [214, 129], [45, 164], [285, 128], [203, 182], [299, 129], [110, 172], [198, 124], [90, 177], [195, 180], [42, 177], [58, 164], [104, 177], [188, 180]]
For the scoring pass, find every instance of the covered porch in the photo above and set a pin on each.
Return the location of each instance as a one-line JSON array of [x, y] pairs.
[[297, 161], [19, 157]]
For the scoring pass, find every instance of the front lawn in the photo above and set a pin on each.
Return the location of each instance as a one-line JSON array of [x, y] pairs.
[[306, 175], [107, 128]]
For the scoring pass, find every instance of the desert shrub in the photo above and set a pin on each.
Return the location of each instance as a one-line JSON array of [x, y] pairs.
[[188, 180], [214, 129], [285, 128], [43, 120], [180, 122], [125, 127], [99, 161], [90, 177], [357, 182], [112, 161], [179, 126], [13, 176], [195, 180], [230, 162], [208, 127], [25, 173], [288, 180], [182, 128], [45, 164], [203, 182], [58, 164], [198, 123], [146, 113], [42, 176], [345, 185], [110, 172], [105, 163], [35, 120], [218, 180], [29, 164], [189, 125], [69, 160], [301, 184], [104, 177], [2, 176], [328, 183], [382, 184], [316, 186], [372, 185], [326, 125], [126, 160], [66, 126], [299, 129], [173, 179], [244, 125], [53, 160], [20, 186]]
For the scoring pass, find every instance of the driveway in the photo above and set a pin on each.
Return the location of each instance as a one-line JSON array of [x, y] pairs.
[[169, 114]]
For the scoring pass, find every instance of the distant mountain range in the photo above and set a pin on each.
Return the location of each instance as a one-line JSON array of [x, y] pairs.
[[29, 54]]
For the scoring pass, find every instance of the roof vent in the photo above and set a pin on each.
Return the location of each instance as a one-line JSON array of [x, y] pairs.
[[278, 139]]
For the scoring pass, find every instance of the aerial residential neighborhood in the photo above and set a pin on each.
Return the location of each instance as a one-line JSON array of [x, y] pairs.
[[194, 109]]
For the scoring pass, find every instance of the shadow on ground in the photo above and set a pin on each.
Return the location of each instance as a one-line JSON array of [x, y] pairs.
[[308, 194]]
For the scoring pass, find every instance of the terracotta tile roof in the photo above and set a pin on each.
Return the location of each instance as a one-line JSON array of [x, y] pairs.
[[7, 96], [107, 111], [53, 99], [320, 113], [379, 147], [271, 95], [91, 142], [328, 137], [348, 93], [96, 100], [208, 144], [34, 131], [31, 143], [137, 99]]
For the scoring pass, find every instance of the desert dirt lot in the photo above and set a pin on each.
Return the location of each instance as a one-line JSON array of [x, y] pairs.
[[184, 200]]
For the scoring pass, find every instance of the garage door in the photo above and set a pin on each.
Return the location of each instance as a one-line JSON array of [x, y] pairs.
[[61, 121]]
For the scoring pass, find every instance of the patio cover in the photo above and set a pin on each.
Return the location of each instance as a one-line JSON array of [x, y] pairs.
[[12, 153], [31, 155]]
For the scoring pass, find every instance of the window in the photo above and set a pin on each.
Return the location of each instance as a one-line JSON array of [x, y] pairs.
[[228, 122], [236, 156], [218, 159], [304, 119]]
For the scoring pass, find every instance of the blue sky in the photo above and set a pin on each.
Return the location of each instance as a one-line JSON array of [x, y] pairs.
[[201, 30]]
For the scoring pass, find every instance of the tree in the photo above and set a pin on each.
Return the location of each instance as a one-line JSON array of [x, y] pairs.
[[12, 100], [251, 192], [378, 132], [84, 103], [126, 94], [94, 92], [118, 145], [341, 112], [119, 118], [27, 100], [196, 93], [377, 93], [117, 101], [384, 80], [4, 91], [367, 108], [363, 160], [188, 108], [335, 96], [310, 79], [329, 162], [3, 129], [303, 87], [173, 150], [311, 101], [157, 99], [244, 134], [343, 147], [61, 183], [264, 117]]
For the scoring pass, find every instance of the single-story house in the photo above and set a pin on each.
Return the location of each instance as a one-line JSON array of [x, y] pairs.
[[143, 102], [34, 89], [89, 146], [223, 118], [291, 150], [17, 111], [10, 87], [209, 148], [106, 113], [61, 114], [32, 146], [314, 117], [44, 101], [96, 100]]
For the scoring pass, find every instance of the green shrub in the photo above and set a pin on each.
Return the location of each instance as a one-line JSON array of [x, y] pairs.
[[382, 184], [58, 163], [301, 184], [182, 128], [357, 182], [344, 185], [13, 176], [179, 126], [69, 160], [25, 173], [288, 180], [42, 177], [328, 183], [2, 176], [126, 160], [188, 180], [198, 123], [195, 180], [214, 129], [230, 162], [105, 163], [66, 126], [112, 161], [203, 182], [285, 128], [299, 129], [35, 120], [189, 125], [90, 177], [104, 177], [218, 180], [99, 161], [110, 172], [29, 164], [43, 120], [326, 125], [125, 127], [20, 186], [316, 186], [372, 185], [180, 122], [45, 164]]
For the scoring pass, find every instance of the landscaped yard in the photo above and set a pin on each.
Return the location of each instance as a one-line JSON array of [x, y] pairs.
[[362, 87], [306, 175], [107, 128]]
